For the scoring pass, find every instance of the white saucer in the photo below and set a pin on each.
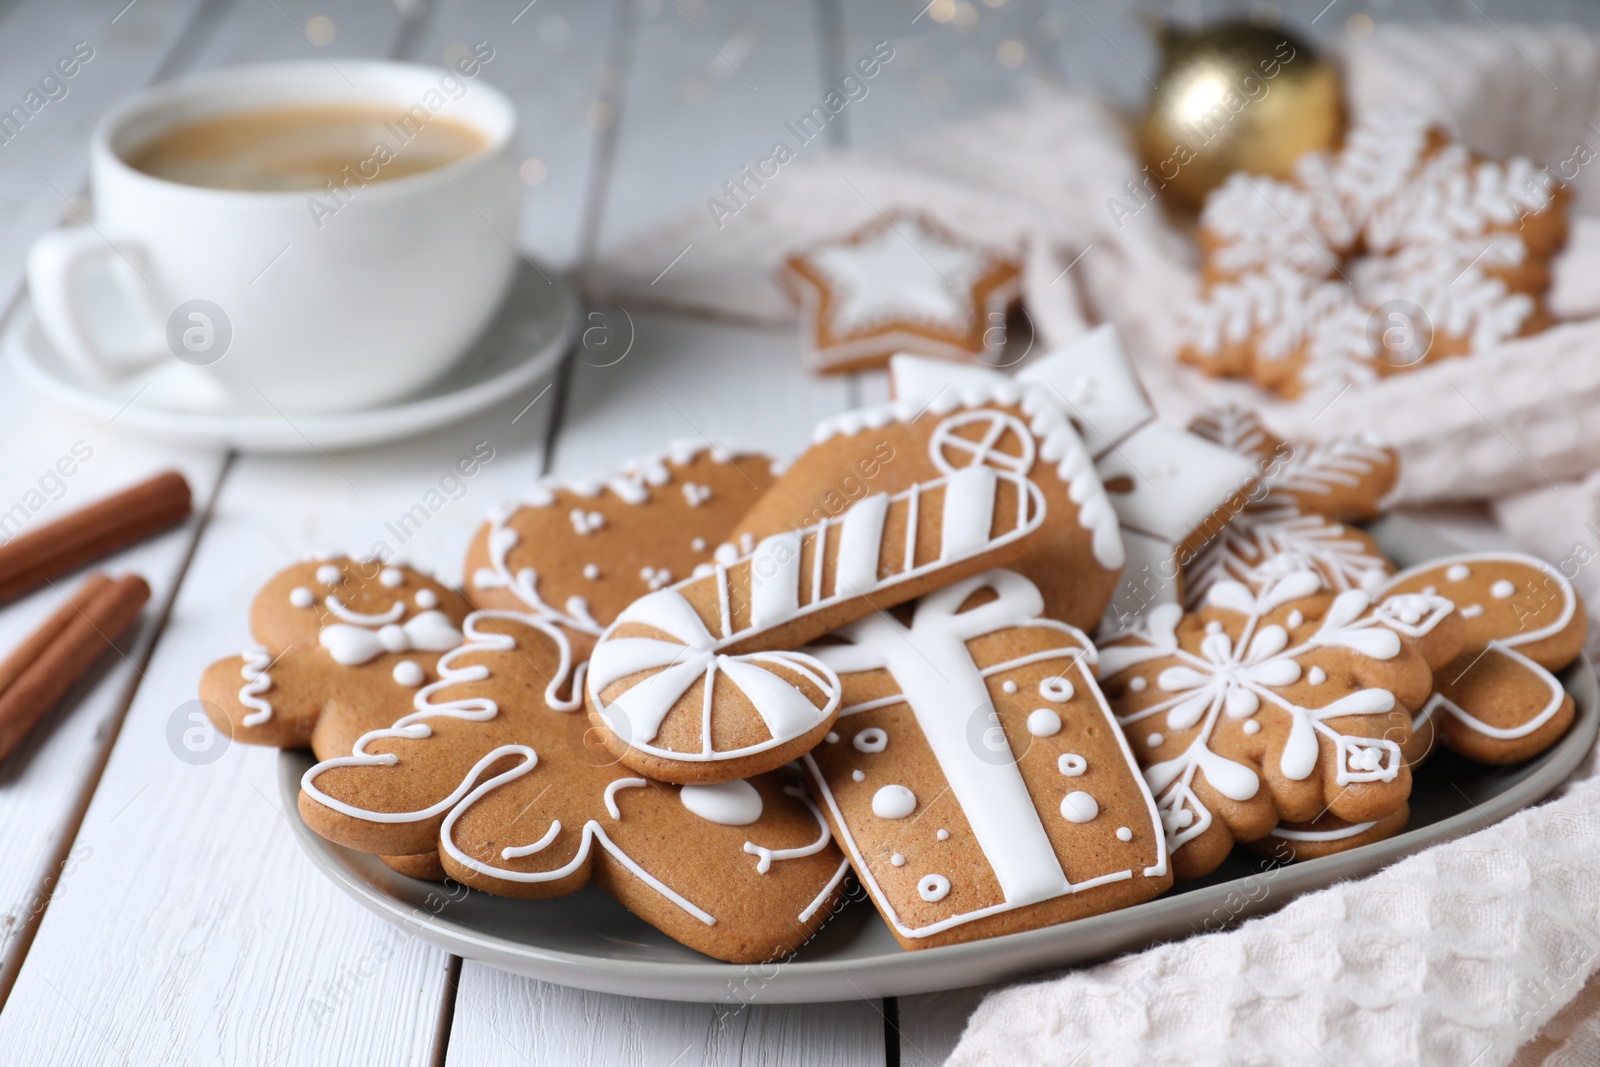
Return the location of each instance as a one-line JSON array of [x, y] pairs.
[[525, 342]]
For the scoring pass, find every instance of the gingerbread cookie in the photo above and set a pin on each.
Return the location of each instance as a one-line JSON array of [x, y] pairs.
[[975, 776], [1289, 842], [1295, 518], [359, 636], [902, 283], [577, 553], [1271, 706], [1498, 701], [483, 774], [1169, 488], [1399, 250], [687, 684]]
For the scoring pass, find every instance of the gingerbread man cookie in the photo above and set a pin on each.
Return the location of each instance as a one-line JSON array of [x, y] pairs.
[[902, 283], [975, 775], [1296, 516], [1272, 705], [577, 553], [689, 685], [360, 636], [1289, 842], [1498, 701]]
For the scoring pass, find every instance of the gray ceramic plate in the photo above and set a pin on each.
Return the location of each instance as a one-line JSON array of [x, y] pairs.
[[588, 940]]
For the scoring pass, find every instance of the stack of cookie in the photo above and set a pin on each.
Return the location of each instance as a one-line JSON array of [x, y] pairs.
[[714, 684], [1401, 248]]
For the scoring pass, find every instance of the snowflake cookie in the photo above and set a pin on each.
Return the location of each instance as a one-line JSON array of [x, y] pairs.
[[1296, 517], [902, 283], [1282, 704], [975, 776], [1498, 701]]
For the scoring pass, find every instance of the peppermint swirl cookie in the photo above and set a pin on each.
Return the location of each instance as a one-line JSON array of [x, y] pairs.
[[1401, 248]]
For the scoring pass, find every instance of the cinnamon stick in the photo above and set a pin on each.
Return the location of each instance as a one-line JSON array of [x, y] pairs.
[[88, 634], [30, 560], [35, 643]]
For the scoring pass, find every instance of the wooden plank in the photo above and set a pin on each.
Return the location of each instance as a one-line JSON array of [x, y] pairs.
[[512, 1021]]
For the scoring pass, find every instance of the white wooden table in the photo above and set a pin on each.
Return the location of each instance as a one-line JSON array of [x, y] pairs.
[[153, 910]]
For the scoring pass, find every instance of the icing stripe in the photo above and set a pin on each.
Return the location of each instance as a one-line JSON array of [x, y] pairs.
[[968, 511], [860, 537], [775, 579]]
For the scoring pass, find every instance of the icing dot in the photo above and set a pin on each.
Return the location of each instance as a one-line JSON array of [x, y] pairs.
[[1154, 740], [408, 674], [427, 598], [1252, 727], [1213, 627], [893, 802], [1057, 689], [301, 597], [1079, 806], [1472, 611], [1501, 589], [1124, 834], [1008, 686], [1071, 764], [698, 544], [1138, 685], [1430, 590], [734, 803], [1042, 722], [590, 571], [898, 860], [328, 574], [1295, 618], [391, 577], [832, 738], [859, 776], [871, 739], [1458, 572], [943, 834], [933, 887], [1316, 676]]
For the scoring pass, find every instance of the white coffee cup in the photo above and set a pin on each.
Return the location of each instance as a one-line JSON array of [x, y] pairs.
[[354, 303]]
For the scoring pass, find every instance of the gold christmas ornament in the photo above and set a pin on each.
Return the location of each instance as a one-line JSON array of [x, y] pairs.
[[1234, 96]]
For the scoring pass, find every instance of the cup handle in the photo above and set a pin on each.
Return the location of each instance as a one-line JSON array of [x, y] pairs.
[[53, 265]]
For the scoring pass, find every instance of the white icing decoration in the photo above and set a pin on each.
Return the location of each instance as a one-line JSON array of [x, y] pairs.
[[933, 887], [586, 522], [256, 682], [695, 495], [859, 776], [1071, 764], [655, 577], [328, 574], [391, 577], [428, 631], [1124, 834], [898, 860], [591, 572], [636, 714], [1042, 722], [336, 608], [734, 803], [893, 802], [426, 598], [301, 597], [765, 856], [698, 544], [1079, 806], [832, 737], [1316, 676], [943, 834], [1137, 685], [1502, 589], [408, 673], [1155, 740], [1353, 830], [1458, 572], [1251, 726], [625, 783], [1008, 686], [1472, 611], [1056, 689], [872, 739]]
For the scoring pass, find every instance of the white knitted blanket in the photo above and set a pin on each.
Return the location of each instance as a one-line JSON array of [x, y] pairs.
[[1464, 954]]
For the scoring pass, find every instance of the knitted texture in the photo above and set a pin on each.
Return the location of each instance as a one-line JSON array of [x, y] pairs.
[[1458, 955]]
